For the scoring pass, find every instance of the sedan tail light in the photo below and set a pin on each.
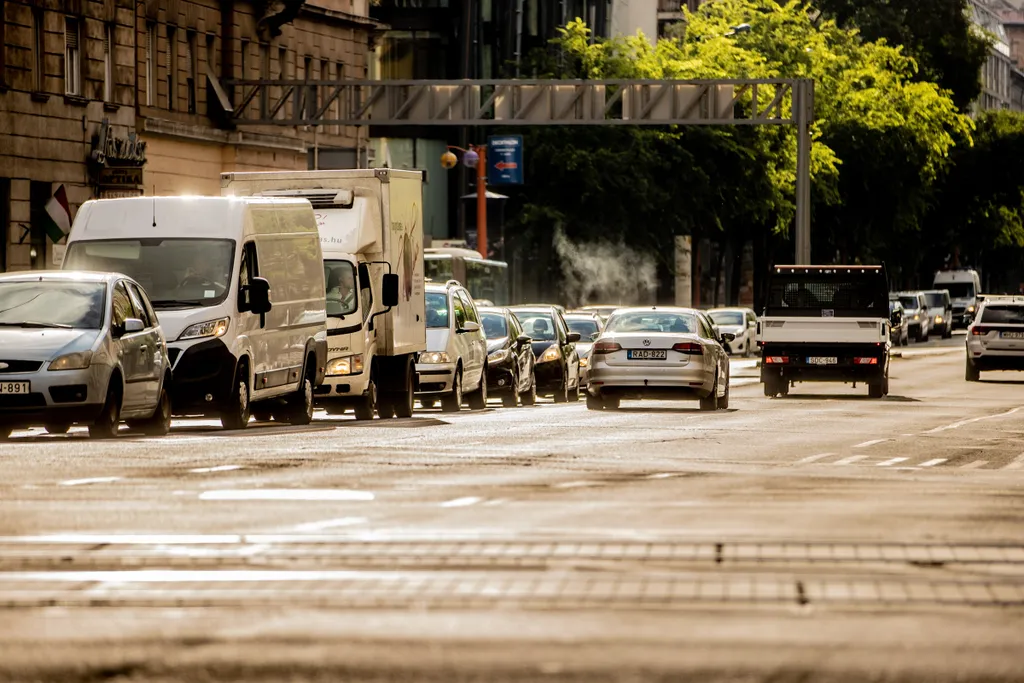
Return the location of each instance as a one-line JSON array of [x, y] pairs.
[[605, 347], [689, 348], [979, 331]]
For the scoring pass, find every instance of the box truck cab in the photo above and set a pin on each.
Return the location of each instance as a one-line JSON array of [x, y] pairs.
[[963, 285], [238, 287], [371, 233]]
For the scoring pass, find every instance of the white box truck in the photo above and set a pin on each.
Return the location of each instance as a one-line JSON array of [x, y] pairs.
[[371, 235], [964, 286]]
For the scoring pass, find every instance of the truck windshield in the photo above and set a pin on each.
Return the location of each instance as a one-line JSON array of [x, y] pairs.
[[176, 273], [340, 278], [958, 290], [829, 293]]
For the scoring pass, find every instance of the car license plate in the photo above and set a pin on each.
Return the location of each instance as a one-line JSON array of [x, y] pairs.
[[14, 387], [1011, 335], [647, 354], [822, 360]]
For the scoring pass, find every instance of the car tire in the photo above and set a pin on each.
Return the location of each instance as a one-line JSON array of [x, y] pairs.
[[404, 400], [160, 423], [948, 333], [723, 400], [452, 401], [710, 402], [109, 420], [367, 403], [530, 397], [57, 428], [594, 402], [237, 410], [574, 395], [971, 373], [478, 399], [510, 399], [561, 394]]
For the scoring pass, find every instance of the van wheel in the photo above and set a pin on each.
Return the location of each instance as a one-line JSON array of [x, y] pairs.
[[452, 402], [236, 410], [57, 428], [300, 405], [109, 420], [160, 423], [478, 399], [403, 400]]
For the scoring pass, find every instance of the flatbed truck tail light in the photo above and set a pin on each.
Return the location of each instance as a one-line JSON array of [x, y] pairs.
[[866, 361], [689, 348], [979, 331], [776, 360], [606, 347]]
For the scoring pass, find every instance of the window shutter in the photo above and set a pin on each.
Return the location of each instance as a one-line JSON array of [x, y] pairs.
[[71, 33], [107, 39]]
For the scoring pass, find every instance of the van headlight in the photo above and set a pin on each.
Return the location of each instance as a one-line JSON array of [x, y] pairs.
[[433, 357], [550, 354], [970, 309], [72, 361], [499, 356], [349, 365], [210, 328]]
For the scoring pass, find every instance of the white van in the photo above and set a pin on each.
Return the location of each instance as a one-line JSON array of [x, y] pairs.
[[964, 286], [211, 266]]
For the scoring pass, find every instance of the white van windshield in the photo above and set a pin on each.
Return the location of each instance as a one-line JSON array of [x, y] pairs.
[[958, 290], [176, 273]]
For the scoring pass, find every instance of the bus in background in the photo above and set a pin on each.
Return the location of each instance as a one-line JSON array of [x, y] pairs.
[[485, 279]]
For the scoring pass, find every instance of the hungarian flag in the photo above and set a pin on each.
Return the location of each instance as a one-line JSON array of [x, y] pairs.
[[57, 216]]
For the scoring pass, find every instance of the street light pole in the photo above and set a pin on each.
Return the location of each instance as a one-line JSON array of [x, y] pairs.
[[474, 157]]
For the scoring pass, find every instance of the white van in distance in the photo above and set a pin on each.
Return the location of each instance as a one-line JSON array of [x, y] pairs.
[[963, 285], [212, 266]]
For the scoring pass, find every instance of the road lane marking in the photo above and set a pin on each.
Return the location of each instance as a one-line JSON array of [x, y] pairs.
[[218, 468], [1016, 463], [126, 539], [813, 458], [330, 523], [977, 464], [961, 423], [287, 494], [891, 461], [576, 484], [933, 462], [91, 480], [867, 444], [461, 502], [850, 460]]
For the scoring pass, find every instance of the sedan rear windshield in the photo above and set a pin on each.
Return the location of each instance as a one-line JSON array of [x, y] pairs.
[[1006, 315], [727, 317], [682, 323], [53, 303]]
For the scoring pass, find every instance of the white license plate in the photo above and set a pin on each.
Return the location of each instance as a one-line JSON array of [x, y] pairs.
[[647, 354], [1011, 335], [822, 360], [15, 388]]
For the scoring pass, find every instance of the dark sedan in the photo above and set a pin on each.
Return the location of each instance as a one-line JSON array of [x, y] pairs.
[[510, 358], [558, 363]]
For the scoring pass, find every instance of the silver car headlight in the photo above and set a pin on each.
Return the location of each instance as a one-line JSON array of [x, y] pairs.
[[432, 357], [72, 361], [210, 328], [499, 356], [349, 365]]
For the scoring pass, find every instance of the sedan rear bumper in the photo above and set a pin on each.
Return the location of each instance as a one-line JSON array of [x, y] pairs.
[[677, 382]]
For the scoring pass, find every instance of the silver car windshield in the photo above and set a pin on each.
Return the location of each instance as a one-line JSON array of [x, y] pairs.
[[52, 303], [650, 321], [174, 272]]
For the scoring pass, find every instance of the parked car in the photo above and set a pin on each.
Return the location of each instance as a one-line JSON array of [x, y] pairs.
[[659, 353], [740, 322], [589, 325], [940, 308], [557, 367], [81, 348], [918, 318], [510, 358], [456, 355], [995, 340], [898, 334]]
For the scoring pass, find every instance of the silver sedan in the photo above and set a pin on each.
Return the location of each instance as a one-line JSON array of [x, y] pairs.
[[659, 353]]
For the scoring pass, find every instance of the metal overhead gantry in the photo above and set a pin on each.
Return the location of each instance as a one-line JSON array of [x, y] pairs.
[[770, 101]]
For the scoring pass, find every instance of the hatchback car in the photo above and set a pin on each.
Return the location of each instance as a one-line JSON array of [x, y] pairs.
[[898, 334], [557, 368], [995, 340], [940, 308], [740, 322], [659, 353], [456, 355], [588, 325], [81, 348], [916, 315], [510, 358]]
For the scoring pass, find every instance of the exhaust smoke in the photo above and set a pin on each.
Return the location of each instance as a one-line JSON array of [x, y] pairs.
[[604, 272]]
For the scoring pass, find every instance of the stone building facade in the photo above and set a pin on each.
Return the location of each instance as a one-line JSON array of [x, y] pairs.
[[119, 97]]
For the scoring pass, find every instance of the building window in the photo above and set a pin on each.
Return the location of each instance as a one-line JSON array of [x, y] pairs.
[[72, 57], [151, 64], [211, 53], [192, 61], [172, 66], [264, 61], [244, 62], [38, 50], [282, 61], [108, 63]]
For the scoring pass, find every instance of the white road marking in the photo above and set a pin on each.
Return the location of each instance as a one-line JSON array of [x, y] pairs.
[[813, 458], [866, 444], [126, 539], [286, 494], [461, 502], [1016, 463], [933, 462], [91, 480], [330, 523], [190, 576], [977, 464], [218, 468], [891, 461], [961, 423], [850, 460], [576, 484]]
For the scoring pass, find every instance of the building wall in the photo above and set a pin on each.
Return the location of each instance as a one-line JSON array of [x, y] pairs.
[[630, 16]]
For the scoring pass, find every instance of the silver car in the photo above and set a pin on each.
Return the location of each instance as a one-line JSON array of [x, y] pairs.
[[81, 348], [661, 353], [588, 325]]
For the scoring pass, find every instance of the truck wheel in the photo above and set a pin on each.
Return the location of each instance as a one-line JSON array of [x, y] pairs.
[[367, 402], [972, 374], [403, 401], [385, 407], [876, 389], [773, 386], [452, 402], [478, 399]]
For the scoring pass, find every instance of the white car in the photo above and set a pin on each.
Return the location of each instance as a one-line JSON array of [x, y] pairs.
[[660, 353], [455, 362], [741, 322], [995, 340], [81, 348]]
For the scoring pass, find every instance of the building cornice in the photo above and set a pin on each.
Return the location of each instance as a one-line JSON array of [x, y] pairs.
[[216, 136], [343, 18]]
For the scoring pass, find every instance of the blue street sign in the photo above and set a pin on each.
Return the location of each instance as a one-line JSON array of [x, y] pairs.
[[505, 160]]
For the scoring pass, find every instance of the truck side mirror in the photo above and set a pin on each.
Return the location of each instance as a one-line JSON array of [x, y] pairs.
[[259, 296], [389, 290]]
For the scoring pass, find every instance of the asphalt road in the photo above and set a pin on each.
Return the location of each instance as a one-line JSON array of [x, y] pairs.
[[821, 536]]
